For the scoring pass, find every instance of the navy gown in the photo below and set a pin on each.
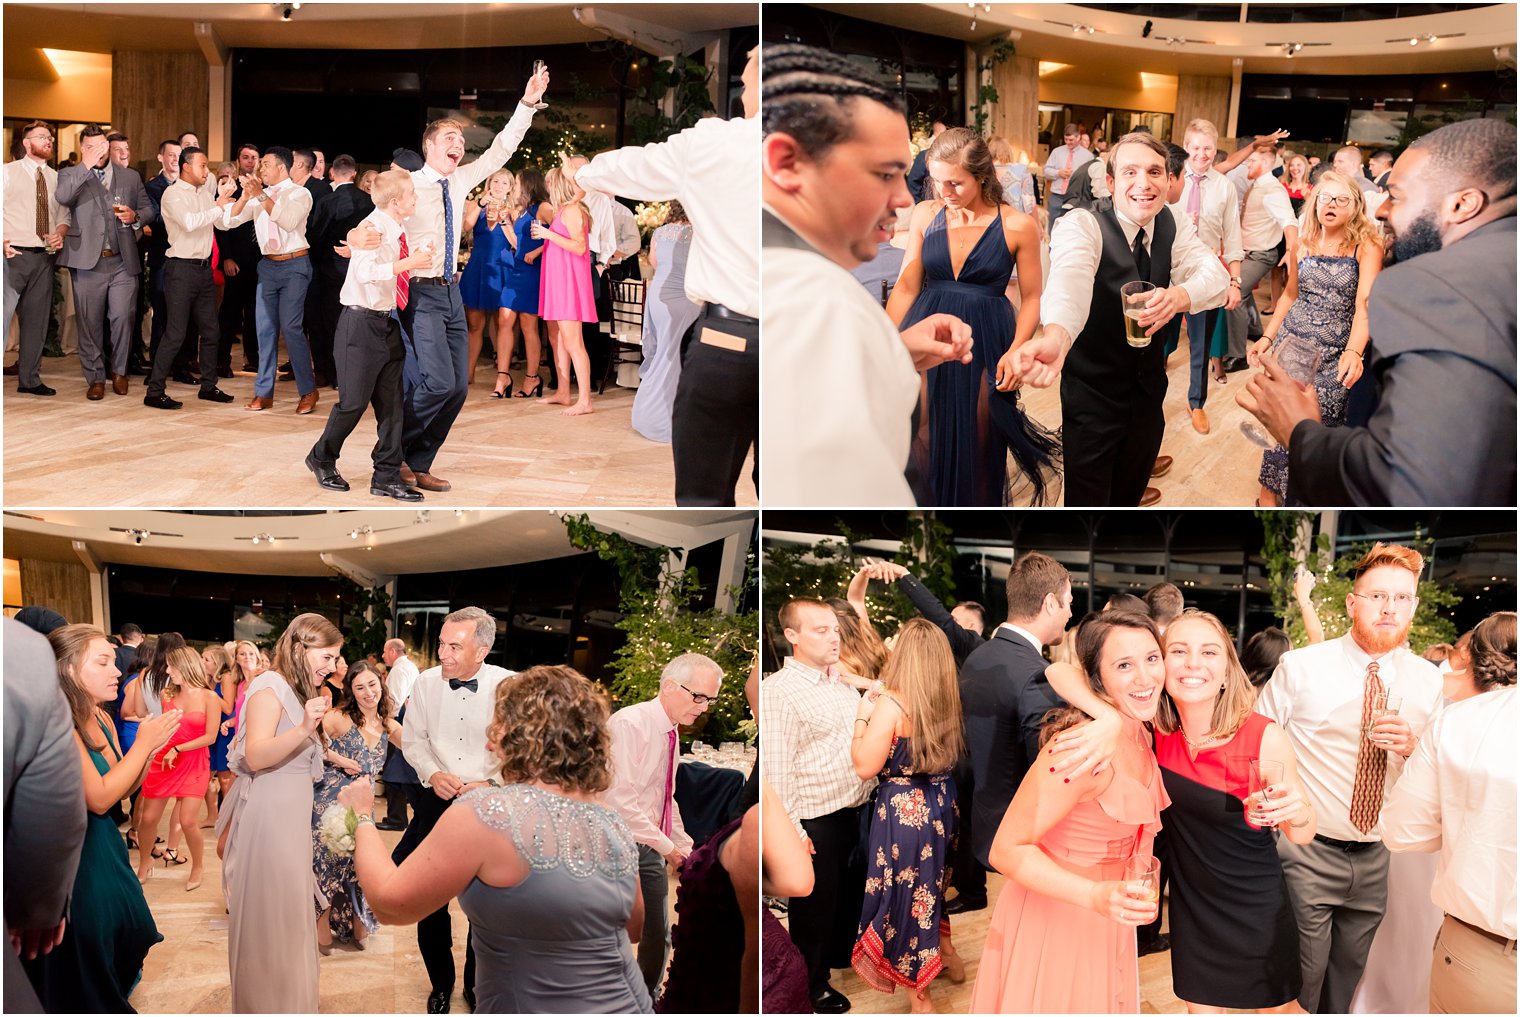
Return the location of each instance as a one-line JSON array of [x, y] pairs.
[[968, 428]]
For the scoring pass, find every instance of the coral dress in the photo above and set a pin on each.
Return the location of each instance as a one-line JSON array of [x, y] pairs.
[[191, 774], [1047, 956], [565, 291]]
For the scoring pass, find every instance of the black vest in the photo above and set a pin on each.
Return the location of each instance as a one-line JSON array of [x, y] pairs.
[[1100, 358]]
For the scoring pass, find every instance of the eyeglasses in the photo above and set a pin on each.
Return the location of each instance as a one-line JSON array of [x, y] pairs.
[[39, 137], [696, 697], [1338, 200], [1380, 600]]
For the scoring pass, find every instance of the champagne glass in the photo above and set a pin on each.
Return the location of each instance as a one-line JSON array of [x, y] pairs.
[[1384, 704], [1133, 295], [1145, 870], [538, 65], [1300, 359], [1265, 773]]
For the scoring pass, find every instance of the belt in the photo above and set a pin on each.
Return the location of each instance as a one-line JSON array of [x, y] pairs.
[[371, 312], [30, 250], [1502, 941], [285, 257], [108, 254], [432, 280], [202, 262], [1351, 847], [716, 310]]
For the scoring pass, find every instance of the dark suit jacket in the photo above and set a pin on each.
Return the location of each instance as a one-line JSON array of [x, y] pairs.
[[79, 190], [333, 215], [158, 244], [962, 641], [1004, 697], [1443, 433], [239, 244]]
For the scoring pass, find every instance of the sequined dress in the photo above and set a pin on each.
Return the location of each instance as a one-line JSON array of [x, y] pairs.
[[337, 884]]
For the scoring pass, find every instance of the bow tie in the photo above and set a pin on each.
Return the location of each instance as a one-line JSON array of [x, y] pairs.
[[455, 685]]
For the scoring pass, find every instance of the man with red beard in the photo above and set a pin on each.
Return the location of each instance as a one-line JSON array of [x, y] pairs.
[[1350, 749]]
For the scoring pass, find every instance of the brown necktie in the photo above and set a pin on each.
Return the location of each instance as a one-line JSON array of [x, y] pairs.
[[1371, 763], [43, 229]]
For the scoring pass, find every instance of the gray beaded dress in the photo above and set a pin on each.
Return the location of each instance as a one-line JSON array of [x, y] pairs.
[[558, 941]]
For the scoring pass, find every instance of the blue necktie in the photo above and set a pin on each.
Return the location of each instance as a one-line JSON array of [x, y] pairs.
[[448, 231], [100, 174]]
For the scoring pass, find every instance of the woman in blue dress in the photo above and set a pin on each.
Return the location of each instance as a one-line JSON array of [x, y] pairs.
[[668, 313], [488, 221], [1325, 303], [963, 247], [520, 287], [217, 663]]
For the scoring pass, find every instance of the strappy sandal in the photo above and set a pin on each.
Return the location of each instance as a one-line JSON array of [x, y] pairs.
[[503, 393], [538, 388], [171, 857]]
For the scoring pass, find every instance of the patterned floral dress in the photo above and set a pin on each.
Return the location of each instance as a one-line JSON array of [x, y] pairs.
[[908, 853], [337, 883]]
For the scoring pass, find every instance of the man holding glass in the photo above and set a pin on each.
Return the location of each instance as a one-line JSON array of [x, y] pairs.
[[1354, 709]]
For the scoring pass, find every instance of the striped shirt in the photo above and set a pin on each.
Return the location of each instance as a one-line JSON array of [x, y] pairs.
[[809, 721]]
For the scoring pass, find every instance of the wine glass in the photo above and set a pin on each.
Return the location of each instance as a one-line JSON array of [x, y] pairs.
[[1145, 870], [538, 65], [1300, 359], [1265, 773]]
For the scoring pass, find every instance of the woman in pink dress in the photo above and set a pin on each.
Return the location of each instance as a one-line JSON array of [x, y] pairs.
[[1061, 938], [565, 294], [182, 770]]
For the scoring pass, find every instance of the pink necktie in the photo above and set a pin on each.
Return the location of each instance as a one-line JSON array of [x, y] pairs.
[[1195, 197], [670, 784], [1066, 184], [403, 280]]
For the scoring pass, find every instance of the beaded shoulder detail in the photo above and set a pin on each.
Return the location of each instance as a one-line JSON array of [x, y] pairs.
[[552, 831]]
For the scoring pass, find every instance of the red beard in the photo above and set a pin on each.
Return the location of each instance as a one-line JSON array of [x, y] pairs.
[[1374, 641]]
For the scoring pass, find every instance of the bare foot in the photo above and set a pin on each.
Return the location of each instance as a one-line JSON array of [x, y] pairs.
[[559, 398], [578, 410], [921, 1002]]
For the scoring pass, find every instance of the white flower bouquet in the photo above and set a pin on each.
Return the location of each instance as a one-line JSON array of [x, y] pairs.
[[650, 216], [336, 829]]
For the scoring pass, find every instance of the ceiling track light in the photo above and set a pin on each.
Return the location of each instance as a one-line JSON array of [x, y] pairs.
[[263, 538], [423, 517], [359, 531]]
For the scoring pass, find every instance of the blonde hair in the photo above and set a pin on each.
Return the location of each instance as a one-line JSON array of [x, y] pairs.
[[389, 186], [188, 663], [1000, 149], [1288, 167], [921, 676], [861, 649], [563, 194], [223, 663], [1358, 226], [1233, 704], [242, 676], [1201, 126]]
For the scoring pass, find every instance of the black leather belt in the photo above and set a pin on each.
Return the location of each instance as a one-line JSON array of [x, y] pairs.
[[30, 250], [719, 311], [202, 262], [371, 312], [432, 280], [1351, 847]]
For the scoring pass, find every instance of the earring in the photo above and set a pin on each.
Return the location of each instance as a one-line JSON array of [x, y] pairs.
[[1221, 686]]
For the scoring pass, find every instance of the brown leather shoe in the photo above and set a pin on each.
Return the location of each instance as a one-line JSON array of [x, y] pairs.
[[1200, 421], [119, 384], [96, 392], [407, 476], [428, 482], [260, 403], [1150, 497], [308, 403], [1162, 468]]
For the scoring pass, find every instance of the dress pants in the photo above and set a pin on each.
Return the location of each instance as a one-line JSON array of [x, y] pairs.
[[1338, 899], [716, 416], [281, 311], [105, 294], [369, 359], [435, 933], [1109, 446], [239, 315], [190, 297], [29, 294], [653, 946], [966, 873], [437, 369], [158, 300], [1257, 266], [323, 308], [1200, 332], [1470, 972], [824, 923]]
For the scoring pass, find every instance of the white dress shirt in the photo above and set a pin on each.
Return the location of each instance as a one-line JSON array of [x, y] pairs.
[[426, 223], [712, 170], [809, 724], [21, 201], [189, 214], [840, 388], [1028, 637], [1457, 796], [371, 278], [602, 236], [279, 219], [1065, 157], [1076, 251], [1266, 214], [400, 679], [445, 728], [627, 228], [1316, 694], [642, 761], [1218, 222]]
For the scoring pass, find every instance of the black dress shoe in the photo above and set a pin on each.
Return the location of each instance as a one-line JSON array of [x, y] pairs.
[[224, 372], [393, 489], [38, 389], [139, 370], [328, 477], [961, 904], [830, 1001], [215, 395], [162, 402], [438, 1002], [185, 378], [1154, 944], [1233, 364], [469, 999], [390, 824], [249, 368]]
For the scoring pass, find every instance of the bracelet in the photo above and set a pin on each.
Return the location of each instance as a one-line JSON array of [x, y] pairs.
[[1354, 353], [361, 820], [862, 720], [1234, 282]]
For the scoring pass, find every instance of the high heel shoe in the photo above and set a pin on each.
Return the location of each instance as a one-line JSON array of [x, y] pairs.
[[192, 884], [324, 949], [503, 393], [171, 857], [536, 392]]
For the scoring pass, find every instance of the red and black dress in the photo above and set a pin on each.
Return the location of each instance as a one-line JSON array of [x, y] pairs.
[[1234, 939]]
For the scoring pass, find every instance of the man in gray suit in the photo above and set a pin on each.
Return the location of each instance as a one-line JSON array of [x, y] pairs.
[[44, 807], [1442, 321], [109, 207]]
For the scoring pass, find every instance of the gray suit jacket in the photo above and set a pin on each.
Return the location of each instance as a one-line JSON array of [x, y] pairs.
[[91, 204], [1443, 433], [44, 798]]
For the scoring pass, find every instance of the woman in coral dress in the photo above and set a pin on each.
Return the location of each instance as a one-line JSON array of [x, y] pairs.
[[182, 771], [1062, 934], [566, 298]]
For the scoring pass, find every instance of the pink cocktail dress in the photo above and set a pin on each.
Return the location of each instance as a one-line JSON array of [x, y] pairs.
[[565, 292]]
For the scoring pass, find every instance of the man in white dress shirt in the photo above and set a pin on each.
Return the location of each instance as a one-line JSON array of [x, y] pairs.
[[444, 738], [1324, 698], [1063, 164], [1266, 217], [35, 226], [1111, 392], [645, 752], [400, 676]]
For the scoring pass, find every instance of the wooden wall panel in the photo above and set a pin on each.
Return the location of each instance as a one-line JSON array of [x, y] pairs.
[[156, 96], [1016, 116], [1199, 96], [63, 586]]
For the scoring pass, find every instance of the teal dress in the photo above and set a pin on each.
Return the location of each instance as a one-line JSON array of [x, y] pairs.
[[110, 928]]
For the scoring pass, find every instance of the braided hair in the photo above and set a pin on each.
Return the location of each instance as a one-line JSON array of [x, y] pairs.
[[808, 94]]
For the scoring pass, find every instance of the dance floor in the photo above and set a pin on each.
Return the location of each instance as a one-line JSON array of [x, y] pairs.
[[65, 450]]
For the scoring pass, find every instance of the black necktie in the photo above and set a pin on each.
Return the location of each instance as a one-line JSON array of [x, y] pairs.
[[1142, 257], [455, 684]]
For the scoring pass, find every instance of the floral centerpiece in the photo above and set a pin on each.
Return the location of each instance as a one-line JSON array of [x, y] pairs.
[[650, 216]]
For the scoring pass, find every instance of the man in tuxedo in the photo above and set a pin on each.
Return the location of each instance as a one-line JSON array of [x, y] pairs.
[[333, 215], [1442, 321], [1005, 696], [100, 253], [1111, 392]]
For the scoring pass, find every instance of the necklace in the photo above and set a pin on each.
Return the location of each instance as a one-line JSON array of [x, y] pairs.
[[1202, 743]]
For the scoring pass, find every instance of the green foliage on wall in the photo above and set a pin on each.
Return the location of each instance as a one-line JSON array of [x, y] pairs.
[[1431, 623]]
